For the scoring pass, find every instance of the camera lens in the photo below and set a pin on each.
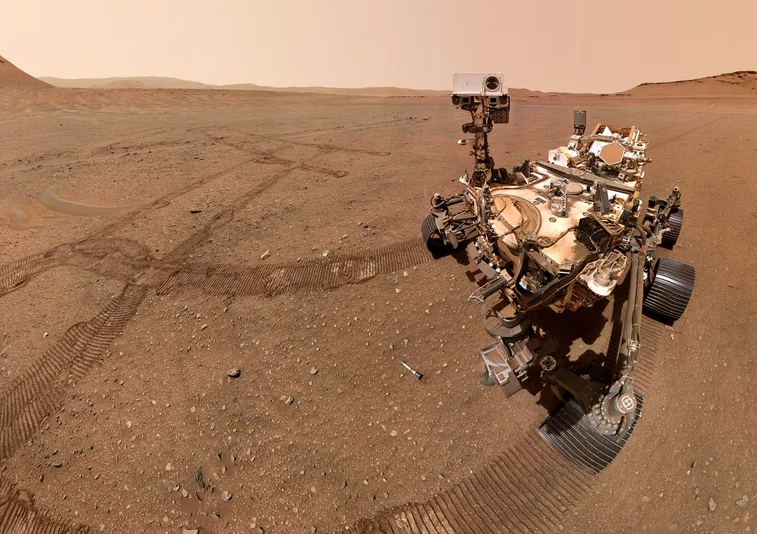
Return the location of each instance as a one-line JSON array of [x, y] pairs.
[[492, 83]]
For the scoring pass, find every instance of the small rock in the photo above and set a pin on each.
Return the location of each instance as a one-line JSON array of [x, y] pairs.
[[203, 327], [326, 253], [128, 424], [57, 463], [289, 401], [184, 493], [645, 499], [169, 467], [713, 504], [226, 496], [265, 254], [313, 371], [234, 372], [195, 210], [190, 531], [393, 433], [743, 502]]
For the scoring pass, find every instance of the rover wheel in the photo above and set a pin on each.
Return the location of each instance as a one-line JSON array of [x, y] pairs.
[[670, 290], [670, 237], [432, 237]]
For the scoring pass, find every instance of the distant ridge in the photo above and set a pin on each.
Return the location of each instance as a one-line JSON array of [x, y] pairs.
[[159, 82], [11, 77], [737, 83]]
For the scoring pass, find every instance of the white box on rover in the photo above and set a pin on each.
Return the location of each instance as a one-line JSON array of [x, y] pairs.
[[479, 84]]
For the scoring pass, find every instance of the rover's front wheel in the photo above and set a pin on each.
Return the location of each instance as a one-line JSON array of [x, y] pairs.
[[432, 237], [672, 284]]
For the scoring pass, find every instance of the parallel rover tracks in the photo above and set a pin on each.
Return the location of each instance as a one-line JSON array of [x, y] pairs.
[[531, 487], [527, 489], [19, 515]]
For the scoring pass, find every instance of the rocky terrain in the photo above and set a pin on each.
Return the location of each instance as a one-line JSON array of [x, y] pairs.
[[205, 297]]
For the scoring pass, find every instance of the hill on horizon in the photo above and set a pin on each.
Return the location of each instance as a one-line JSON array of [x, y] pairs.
[[737, 83], [13, 77], [162, 82]]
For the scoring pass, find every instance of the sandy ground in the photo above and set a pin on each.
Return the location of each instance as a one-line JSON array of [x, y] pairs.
[[225, 211]]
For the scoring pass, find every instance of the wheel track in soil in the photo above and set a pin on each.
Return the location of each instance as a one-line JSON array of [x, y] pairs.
[[528, 488], [295, 277], [16, 274], [40, 389], [19, 515], [35, 394]]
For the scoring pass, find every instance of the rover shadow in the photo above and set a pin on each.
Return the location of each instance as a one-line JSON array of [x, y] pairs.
[[599, 327]]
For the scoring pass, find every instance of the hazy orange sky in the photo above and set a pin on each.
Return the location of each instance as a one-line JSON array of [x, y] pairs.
[[575, 45]]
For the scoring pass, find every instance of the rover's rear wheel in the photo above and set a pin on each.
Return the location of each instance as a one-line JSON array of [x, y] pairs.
[[670, 237], [670, 290], [433, 238]]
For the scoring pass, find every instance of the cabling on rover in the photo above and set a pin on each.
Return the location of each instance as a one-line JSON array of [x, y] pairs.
[[564, 233]]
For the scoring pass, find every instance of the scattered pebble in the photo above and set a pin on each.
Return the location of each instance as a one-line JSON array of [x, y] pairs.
[[743, 502], [265, 254], [57, 463], [226, 496], [713, 504], [234, 372], [313, 371]]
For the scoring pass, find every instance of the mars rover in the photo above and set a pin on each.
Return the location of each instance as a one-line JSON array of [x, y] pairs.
[[561, 233]]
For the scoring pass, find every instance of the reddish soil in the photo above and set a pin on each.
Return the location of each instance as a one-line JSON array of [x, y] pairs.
[[119, 330]]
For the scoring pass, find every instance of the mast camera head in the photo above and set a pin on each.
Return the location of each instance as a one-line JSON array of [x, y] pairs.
[[471, 89]]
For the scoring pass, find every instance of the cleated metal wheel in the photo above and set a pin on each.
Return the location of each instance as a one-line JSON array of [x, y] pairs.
[[568, 431], [670, 237], [670, 290], [433, 238]]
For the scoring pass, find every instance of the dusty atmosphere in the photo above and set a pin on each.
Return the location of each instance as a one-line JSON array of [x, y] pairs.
[[205, 296]]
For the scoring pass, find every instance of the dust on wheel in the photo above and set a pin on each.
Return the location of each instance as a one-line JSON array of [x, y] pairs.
[[670, 238], [433, 238], [670, 290]]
